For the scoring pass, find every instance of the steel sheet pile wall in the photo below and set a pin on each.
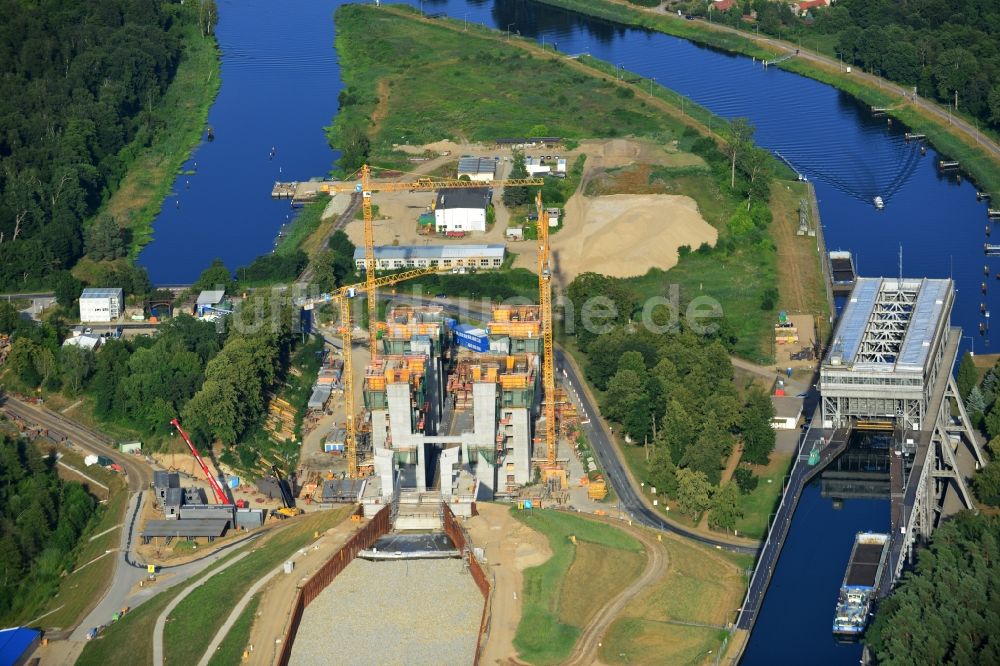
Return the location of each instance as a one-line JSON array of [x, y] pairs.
[[365, 537], [457, 536]]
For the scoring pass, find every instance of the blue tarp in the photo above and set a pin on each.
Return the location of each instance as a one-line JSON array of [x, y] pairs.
[[14, 643]]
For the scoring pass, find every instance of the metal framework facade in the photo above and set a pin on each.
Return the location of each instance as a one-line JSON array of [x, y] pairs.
[[887, 353]]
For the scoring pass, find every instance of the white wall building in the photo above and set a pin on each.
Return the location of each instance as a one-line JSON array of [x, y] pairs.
[[461, 210], [101, 305], [787, 411], [395, 257], [479, 169]]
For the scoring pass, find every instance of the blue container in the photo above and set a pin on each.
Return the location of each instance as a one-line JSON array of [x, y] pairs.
[[472, 337]]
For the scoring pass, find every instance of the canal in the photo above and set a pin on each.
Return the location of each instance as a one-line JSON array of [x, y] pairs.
[[280, 82]]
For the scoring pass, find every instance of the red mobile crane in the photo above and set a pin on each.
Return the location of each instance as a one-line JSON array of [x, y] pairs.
[[220, 494]]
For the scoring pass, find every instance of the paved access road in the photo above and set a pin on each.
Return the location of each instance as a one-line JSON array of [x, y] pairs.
[[614, 468], [123, 589]]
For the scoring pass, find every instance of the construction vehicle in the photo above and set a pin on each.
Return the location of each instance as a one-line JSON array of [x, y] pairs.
[[552, 473], [220, 494], [365, 187], [288, 508]]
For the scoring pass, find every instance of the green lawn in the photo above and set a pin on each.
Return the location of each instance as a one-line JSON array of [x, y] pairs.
[[541, 637], [411, 81], [304, 224], [763, 501], [230, 652], [195, 621], [130, 640]]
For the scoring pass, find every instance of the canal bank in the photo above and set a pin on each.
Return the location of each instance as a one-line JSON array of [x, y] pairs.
[[954, 136]]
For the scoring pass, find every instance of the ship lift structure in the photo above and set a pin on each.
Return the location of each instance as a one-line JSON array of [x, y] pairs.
[[366, 186]]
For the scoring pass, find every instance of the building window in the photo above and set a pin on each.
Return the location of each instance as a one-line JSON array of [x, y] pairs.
[[498, 262], [510, 478], [510, 467]]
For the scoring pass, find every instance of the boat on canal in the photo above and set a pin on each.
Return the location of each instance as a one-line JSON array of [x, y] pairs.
[[860, 584], [879, 203]]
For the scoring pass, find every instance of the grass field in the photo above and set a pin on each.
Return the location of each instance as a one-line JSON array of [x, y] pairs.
[[681, 617], [230, 652], [194, 622], [763, 500], [130, 640], [304, 223], [572, 584], [400, 91]]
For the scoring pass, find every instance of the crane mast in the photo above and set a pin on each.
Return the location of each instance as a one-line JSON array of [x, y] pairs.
[[366, 187], [545, 305], [371, 284], [220, 495], [343, 297]]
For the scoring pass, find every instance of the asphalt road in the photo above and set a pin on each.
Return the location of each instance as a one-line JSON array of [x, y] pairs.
[[128, 572]]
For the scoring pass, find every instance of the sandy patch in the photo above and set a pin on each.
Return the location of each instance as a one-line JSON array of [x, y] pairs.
[[623, 235], [510, 548]]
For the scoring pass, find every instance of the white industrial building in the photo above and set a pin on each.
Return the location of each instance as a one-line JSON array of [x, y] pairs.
[[461, 210], [787, 411], [479, 169], [395, 257], [101, 305]]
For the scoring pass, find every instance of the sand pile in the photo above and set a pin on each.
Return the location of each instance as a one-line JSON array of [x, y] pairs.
[[623, 235]]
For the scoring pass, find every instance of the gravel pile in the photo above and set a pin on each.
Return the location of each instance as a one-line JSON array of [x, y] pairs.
[[409, 612]]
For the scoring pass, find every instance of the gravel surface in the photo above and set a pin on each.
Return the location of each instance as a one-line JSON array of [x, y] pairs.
[[410, 612]]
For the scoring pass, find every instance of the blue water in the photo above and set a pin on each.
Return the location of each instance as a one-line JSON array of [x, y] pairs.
[[280, 84], [280, 81]]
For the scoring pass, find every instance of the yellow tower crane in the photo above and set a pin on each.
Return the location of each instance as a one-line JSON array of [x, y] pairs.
[[551, 469], [343, 297], [366, 186]]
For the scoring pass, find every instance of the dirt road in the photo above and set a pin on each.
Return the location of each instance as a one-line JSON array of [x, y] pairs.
[[585, 651]]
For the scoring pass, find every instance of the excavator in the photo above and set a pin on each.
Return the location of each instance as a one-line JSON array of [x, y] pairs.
[[288, 508]]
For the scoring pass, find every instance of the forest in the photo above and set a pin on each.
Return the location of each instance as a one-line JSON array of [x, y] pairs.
[[946, 611], [674, 392], [77, 100], [948, 49], [41, 520]]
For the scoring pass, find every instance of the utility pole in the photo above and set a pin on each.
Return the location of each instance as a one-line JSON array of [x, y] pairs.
[[508, 29], [956, 100], [651, 81]]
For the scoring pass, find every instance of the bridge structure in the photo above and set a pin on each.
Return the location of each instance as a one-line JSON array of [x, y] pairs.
[[888, 373]]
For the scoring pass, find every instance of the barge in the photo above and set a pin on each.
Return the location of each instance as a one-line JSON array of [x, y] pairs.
[[860, 584]]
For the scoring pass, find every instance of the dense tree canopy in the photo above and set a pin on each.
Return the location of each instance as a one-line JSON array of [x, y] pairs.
[[941, 47], [41, 519], [948, 610], [79, 85]]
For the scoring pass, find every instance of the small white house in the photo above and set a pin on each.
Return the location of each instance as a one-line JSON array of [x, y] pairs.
[[461, 210], [86, 341], [534, 166], [101, 305], [787, 411], [480, 169]]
